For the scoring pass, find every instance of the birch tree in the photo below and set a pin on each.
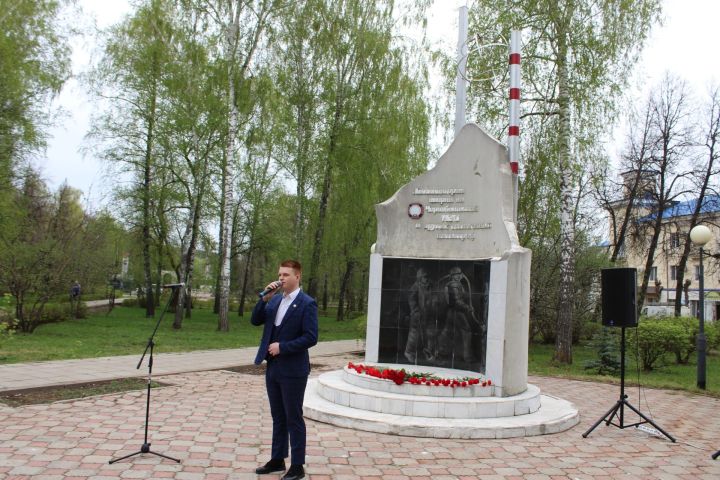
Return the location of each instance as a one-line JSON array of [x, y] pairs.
[[130, 82], [576, 57], [241, 24]]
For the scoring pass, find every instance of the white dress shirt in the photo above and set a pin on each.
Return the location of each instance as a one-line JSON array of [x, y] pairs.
[[285, 303]]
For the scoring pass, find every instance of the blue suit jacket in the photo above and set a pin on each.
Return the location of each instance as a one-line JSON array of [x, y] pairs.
[[296, 334]]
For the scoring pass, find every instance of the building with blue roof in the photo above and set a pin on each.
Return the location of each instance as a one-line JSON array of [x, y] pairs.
[[676, 224]]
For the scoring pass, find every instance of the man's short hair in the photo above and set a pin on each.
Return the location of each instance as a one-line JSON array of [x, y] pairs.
[[294, 264]]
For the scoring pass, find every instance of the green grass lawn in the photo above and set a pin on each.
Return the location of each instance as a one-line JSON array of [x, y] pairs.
[[125, 331], [668, 375]]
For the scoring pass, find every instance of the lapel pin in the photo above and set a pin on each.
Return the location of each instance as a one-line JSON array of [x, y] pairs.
[[294, 305]]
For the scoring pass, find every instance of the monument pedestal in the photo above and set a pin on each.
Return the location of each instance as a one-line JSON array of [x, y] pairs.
[[346, 399]]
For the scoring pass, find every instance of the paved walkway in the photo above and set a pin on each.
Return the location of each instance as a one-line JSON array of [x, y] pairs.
[[64, 372], [218, 423]]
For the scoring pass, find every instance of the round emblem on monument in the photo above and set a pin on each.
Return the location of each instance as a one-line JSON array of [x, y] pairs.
[[415, 210]]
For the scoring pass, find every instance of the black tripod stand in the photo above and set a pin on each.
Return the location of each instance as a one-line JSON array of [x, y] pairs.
[[618, 409], [145, 448]]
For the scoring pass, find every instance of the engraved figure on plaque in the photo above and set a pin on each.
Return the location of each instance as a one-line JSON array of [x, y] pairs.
[[456, 338], [422, 336]]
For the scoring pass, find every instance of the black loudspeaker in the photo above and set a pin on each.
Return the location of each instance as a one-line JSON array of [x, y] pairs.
[[619, 297]]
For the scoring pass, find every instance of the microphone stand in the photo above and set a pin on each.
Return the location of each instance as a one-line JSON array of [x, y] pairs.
[[145, 448]]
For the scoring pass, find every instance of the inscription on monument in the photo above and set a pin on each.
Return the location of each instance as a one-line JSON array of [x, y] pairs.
[[450, 221]]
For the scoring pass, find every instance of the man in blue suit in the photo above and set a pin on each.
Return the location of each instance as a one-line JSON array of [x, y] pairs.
[[291, 328]]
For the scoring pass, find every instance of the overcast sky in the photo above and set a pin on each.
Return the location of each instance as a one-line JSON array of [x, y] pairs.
[[684, 45]]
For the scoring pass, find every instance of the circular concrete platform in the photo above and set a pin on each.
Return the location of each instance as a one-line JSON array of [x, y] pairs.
[[330, 399]]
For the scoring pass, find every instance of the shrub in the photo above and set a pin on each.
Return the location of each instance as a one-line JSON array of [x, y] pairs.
[[6, 326], [685, 348], [685, 345], [58, 312], [654, 338], [712, 332], [134, 302], [607, 346], [130, 302]]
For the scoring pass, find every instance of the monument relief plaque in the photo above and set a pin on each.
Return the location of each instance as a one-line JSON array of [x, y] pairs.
[[434, 313]]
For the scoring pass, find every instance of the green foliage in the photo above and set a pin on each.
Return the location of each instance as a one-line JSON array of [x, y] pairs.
[[606, 345], [686, 345], [654, 338], [130, 302], [545, 281], [361, 326], [59, 312], [578, 55], [34, 64], [6, 330], [48, 241]]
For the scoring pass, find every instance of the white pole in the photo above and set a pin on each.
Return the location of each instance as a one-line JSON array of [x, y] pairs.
[[460, 84], [514, 129]]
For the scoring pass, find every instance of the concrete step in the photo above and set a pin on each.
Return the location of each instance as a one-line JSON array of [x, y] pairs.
[[554, 415], [333, 387]]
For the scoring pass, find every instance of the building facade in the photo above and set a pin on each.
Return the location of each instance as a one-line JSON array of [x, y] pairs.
[[671, 246]]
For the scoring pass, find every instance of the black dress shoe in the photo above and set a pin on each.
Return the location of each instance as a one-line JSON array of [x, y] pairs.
[[272, 466], [296, 472]]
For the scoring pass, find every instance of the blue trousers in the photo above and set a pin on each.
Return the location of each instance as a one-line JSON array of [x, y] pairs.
[[286, 396]]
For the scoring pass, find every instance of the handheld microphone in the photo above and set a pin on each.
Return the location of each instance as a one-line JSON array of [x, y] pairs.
[[278, 284], [174, 285]]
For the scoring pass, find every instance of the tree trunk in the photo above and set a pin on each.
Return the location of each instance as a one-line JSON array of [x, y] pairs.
[[216, 295], [325, 293], [324, 196], [620, 239], [158, 284], [565, 312], [712, 138], [246, 276], [227, 186], [187, 258], [650, 259], [343, 290], [147, 183]]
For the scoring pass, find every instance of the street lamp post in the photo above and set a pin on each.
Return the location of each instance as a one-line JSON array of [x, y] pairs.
[[700, 235]]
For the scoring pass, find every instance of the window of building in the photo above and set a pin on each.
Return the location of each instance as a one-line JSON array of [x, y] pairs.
[[697, 272], [675, 240], [653, 274], [673, 272]]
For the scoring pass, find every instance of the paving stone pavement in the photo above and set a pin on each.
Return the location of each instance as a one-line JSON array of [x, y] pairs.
[[218, 423]]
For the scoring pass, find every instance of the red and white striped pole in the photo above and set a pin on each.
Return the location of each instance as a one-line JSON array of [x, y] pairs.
[[514, 129]]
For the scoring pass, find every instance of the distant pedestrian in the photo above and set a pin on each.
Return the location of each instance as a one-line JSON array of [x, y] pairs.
[[75, 290], [75, 299]]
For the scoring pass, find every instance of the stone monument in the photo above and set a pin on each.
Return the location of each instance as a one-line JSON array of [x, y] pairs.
[[449, 282], [448, 295]]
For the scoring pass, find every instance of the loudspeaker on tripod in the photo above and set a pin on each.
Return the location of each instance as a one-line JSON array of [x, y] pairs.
[[619, 297]]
